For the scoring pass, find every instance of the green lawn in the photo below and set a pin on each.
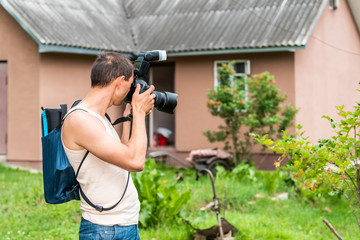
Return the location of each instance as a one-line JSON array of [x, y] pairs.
[[25, 215]]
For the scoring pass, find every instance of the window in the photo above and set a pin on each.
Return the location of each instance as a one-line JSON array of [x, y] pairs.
[[241, 68]]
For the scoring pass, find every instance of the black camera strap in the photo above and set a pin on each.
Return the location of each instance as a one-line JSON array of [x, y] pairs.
[[121, 119], [101, 208]]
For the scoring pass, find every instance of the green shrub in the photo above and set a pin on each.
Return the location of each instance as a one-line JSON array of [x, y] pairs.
[[331, 165], [160, 200], [246, 105], [271, 181]]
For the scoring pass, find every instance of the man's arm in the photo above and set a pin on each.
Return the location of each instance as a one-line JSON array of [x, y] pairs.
[[126, 125], [83, 131]]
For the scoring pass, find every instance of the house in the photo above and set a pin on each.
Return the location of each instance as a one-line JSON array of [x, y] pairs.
[[47, 48]]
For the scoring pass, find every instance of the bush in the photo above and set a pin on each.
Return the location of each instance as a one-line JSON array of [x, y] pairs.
[[247, 105], [332, 164], [160, 200]]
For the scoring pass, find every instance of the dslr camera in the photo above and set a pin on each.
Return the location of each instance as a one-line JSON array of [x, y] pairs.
[[164, 101]]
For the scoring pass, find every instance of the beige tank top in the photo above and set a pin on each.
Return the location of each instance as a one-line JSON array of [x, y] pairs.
[[104, 184]]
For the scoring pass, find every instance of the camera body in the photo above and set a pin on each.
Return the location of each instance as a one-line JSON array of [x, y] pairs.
[[164, 101]]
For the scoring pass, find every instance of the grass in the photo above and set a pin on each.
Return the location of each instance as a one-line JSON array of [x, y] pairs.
[[25, 215]]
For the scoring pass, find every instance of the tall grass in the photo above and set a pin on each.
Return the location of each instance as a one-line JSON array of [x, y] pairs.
[[249, 207]]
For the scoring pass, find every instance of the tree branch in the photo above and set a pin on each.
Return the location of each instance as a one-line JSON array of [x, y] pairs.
[[332, 229], [353, 210], [356, 191]]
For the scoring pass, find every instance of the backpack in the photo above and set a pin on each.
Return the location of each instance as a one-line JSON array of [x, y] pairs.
[[59, 178]]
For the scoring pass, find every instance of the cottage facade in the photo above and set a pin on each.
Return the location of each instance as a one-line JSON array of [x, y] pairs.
[[47, 49]]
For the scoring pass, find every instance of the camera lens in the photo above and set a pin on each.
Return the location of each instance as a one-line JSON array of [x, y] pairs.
[[165, 101]]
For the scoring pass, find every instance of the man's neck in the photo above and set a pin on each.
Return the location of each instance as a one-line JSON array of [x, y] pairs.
[[98, 100]]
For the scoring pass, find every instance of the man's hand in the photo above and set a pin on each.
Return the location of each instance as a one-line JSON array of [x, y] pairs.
[[144, 102], [127, 110]]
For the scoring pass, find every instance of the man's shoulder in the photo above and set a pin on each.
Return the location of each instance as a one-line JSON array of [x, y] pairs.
[[79, 118]]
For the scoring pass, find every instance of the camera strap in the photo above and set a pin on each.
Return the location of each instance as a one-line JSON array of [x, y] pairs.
[[121, 119], [101, 208]]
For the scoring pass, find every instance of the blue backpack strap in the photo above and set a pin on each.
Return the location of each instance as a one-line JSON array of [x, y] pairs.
[[44, 124], [87, 152], [76, 103], [63, 113]]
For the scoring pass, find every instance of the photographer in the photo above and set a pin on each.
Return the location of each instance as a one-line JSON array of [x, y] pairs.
[[103, 175]]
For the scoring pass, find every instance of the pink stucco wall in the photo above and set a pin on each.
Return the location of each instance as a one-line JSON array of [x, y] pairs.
[[65, 78], [36, 80], [194, 77], [327, 72], [21, 53]]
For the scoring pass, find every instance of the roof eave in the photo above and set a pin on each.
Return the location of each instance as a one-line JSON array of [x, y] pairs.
[[235, 51], [77, 50], [317, 18], [10, 10], [46, 48]]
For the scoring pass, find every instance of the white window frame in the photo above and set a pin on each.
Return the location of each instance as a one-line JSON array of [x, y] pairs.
[[246, 74], [247, 68]]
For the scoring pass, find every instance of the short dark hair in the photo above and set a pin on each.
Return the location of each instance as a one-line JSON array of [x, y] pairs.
[[108, 66]]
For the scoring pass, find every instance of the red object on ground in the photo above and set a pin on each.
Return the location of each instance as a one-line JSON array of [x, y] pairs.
[[162, 141]]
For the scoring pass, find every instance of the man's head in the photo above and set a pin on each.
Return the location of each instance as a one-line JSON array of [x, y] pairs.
[[109, 66]]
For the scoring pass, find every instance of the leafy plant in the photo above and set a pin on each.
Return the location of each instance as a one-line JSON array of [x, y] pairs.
[[332, 162], [160, 200], [271, 180], [246, 105], [241, 172]]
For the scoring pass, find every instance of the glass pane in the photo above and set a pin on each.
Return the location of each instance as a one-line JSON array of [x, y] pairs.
[[239, 67]]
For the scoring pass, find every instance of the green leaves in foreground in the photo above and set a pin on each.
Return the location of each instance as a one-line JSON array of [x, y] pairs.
[[332, 162], [160, 200]]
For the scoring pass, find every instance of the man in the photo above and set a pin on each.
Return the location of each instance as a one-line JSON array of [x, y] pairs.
[[103, 175]]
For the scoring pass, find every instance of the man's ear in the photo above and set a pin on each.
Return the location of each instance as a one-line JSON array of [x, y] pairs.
[[119, 81]]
